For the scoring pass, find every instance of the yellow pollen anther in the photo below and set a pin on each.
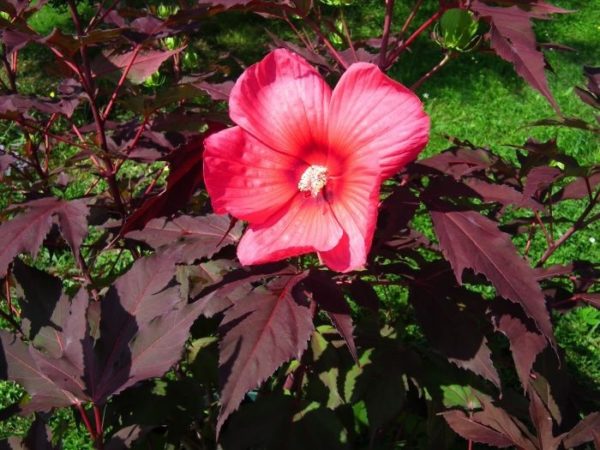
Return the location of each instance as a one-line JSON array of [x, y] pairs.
[[313, 180]]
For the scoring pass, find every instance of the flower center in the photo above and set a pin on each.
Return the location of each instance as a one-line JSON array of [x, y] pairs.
[[313, 180]]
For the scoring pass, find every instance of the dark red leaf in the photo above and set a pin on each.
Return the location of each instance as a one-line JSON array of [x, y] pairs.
[[26, 231], [539, 179], [584, 431], [185, 176], [39, 437], [41, 303], [330, 298], [363, 293], [125, 437], [472, 430], [513, 39], [21, 367], [579, 188], [158, 344], [138, 297], [592, 299], [525, 341], [501, 193], [493, 426], [470, 240], [192, 237], [457, 331], [269, 327], [542, 420], [145, 63], [5, 163], [459, 161], [216, 91], [15, 39], [22, 104]]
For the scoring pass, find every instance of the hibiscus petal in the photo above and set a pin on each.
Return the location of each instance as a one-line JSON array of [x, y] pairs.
[[284, 102], [306, 225], [245, 178], [354, 198], [370, 110]]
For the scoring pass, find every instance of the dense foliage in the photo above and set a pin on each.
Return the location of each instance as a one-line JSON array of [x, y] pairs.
[[155, 336]]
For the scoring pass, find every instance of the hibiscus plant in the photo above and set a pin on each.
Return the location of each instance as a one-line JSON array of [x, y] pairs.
[[205, 249]]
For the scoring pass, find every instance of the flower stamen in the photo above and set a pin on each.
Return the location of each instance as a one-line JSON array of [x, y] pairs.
[[313, 180]]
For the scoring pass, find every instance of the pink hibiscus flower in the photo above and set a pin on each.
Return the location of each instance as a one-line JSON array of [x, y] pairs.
[[304, 164]]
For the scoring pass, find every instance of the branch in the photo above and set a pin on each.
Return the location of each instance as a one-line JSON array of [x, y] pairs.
[[405, 44], [328, 44], [113, 97], [579, 224], [387, 27], [429, 74]]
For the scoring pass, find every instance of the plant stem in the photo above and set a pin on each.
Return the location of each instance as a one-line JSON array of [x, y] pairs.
[[578, 225], [387, 27], [113, 97], [405, 44], [348, 36], [86, 421], [433, 70], [410, 17], [99, 427], [334, 53]]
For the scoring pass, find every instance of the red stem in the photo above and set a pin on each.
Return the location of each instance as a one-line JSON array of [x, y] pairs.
[[410, 17], [578, 225], [86, 421], [405, 44], [113, 97], [99, 425], [429, 74], [328, 44], [387, 27]]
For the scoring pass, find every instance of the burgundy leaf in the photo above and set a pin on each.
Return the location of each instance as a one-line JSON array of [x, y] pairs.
[[472, 430], [39, 437], [26, 231], [363, 293], [459, 161], [16, 39], [139, 296], [194, 237], [513, 39], [501, 193], [5, 163], [397, 211], [266, 329], [456, 331], [66, 367], [579, 188], [216, 91], [525, 341], [470, 240], [508, 429], [41, 304], [21, 367], [23, 104], [185, 176], [225, 3], [145, 63], [584, 431], [158, 344], [542, 420], [591, 298], [331, 299], [125, 437], [539, 179]]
